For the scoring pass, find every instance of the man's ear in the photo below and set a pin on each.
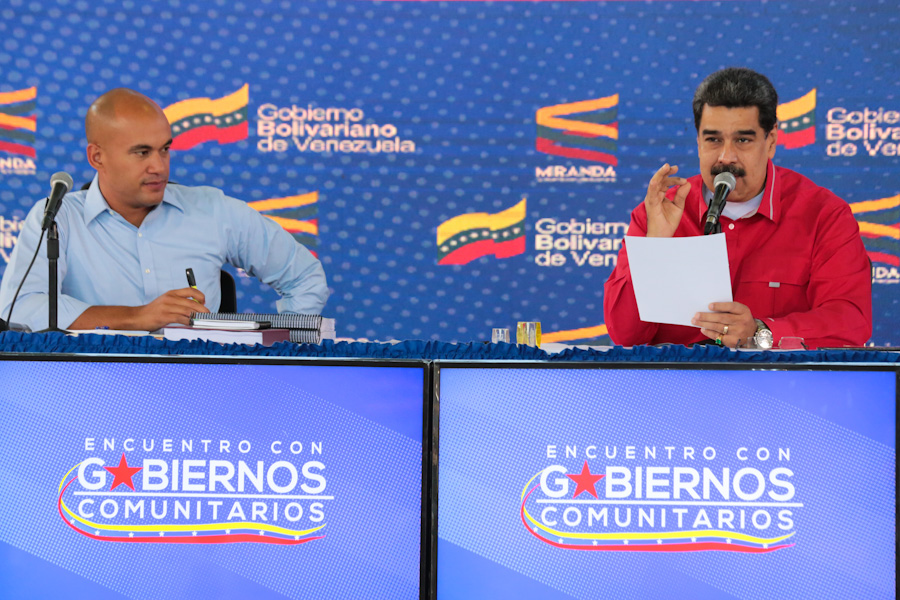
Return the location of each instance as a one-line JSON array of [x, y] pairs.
[[95, 156]]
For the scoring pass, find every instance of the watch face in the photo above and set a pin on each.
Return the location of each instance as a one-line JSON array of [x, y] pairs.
[[764, 339]]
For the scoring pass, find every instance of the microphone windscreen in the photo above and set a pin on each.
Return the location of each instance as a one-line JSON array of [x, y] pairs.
[[63, 178], [725, 178]]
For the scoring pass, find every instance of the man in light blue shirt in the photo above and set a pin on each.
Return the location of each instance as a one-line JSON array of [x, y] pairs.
[[126, 241]]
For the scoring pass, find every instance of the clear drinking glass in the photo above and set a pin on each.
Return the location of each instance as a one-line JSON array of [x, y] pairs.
[[792, 343], [529, 333]]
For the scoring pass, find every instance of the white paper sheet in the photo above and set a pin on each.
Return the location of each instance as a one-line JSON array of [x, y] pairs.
[[675, 278]]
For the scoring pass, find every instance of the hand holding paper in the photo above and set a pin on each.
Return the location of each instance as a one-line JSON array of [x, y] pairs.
[[675, 278]]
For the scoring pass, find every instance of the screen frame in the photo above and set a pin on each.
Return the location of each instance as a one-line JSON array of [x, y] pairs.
[[425, 366], [652, 366]]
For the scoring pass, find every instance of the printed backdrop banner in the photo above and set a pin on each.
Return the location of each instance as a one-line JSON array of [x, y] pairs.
[[164, 480], [671, 484], [456, 166]]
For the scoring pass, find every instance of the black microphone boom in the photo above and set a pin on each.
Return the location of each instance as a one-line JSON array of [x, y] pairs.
[[723, 184], [60, 184]]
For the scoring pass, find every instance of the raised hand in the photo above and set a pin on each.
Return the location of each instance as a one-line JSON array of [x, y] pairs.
[[664, 215]]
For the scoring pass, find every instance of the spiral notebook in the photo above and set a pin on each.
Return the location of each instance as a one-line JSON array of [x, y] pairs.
[[304, 329]]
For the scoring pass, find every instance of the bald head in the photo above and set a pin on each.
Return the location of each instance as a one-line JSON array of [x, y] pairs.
[[119, 108], [129, 138]]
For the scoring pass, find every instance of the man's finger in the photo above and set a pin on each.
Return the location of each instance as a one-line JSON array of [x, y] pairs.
[[661, 174], [655, 193], [732, 341], [189, 293], [180, 318], [665, 178], [187, 306], [726, 307], [713, 319], [671, 182], [681, 194], [718, 328]]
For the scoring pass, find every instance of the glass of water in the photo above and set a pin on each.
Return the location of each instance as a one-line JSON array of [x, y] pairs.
[[499, 334]]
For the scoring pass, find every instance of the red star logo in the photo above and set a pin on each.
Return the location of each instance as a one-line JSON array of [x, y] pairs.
[[123, 473], [585, 481]]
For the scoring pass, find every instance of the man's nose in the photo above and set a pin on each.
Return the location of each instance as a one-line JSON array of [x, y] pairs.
[[157, 164], [728, 155]]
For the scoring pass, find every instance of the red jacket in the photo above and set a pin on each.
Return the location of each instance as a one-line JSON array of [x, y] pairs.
[[799, 264]]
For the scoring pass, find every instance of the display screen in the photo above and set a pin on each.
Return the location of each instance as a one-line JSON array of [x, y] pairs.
[[666, 483], [157, 480]]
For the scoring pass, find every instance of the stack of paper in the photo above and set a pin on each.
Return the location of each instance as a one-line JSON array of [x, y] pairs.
[[304, 329], [266, 337], [229, 324]]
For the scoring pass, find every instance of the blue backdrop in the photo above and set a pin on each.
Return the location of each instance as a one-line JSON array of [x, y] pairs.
[[438, 155]]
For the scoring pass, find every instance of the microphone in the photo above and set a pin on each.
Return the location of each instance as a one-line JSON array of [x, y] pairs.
[[723, 183], [60, 185]]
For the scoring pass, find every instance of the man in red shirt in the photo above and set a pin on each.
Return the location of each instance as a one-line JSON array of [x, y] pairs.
[[798, 265]]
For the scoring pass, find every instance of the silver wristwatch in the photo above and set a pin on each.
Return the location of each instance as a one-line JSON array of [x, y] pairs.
[[763, 337]]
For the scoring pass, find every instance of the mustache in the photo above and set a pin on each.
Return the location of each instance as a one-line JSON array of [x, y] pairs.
[[733, 169]]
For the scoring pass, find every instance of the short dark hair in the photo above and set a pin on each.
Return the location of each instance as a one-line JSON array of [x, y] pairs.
[[737, 87]]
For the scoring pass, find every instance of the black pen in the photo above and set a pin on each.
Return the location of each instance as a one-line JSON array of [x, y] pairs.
[[192, 282]]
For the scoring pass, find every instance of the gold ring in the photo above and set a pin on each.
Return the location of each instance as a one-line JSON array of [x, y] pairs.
[[725, 331], [719, 341]]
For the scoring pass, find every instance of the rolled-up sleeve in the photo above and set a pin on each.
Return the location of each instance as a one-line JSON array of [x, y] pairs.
[[265, 250]]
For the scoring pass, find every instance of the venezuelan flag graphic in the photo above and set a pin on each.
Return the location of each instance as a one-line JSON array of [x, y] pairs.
[[464, 238], [585, 335], [880, 228], [587, 130], [297, 214], [198, 120], [797, 121], [18, 123]]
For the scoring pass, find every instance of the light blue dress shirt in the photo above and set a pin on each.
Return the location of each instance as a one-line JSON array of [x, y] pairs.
[[105, 260]]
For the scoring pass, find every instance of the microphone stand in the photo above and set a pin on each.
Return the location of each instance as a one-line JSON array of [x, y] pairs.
[[53, 291], [714, 230]]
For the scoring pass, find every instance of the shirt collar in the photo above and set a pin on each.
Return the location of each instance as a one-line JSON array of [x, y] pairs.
[[95, 203], [771, 200], [746, 209]]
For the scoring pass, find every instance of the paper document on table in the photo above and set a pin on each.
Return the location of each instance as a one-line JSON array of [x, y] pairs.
[[675, 278]]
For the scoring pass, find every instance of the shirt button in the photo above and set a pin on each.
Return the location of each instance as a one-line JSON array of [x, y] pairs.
[[146, 270], [731, 226], [140, 235]]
